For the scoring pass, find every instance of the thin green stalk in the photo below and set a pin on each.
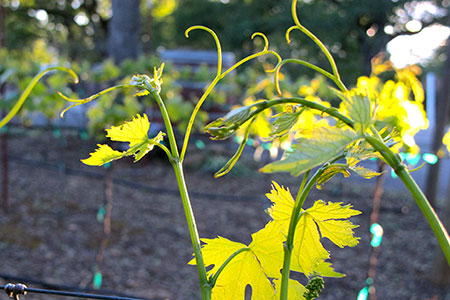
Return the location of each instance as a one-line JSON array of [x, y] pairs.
[[302, 185], [316, 41], [334, 78], [178, 169], [201, 270], [194, 114], [427, 210], [165, 149], [167, 123], [28, 90], [218, 77], [229, 259], [208, 90], [295, 217], [263, 105]]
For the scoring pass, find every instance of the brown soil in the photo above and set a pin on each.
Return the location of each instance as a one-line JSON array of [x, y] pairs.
[[51, 232]]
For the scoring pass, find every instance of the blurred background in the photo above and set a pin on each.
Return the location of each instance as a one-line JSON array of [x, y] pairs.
[[114, 229]]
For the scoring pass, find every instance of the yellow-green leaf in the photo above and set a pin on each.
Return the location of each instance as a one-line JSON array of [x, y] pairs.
[[102, 155], [134, 132], [295, 289], [309, 255], [359, 109], [285, 121], [282, 205], [329, 173], [244, 269], [140, 150], [308, 251], [363, 172], [267, 245], [325, 144], [230, 164], [326, 270]]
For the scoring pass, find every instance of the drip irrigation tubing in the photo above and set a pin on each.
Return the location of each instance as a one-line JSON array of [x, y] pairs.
[[14, 290], [69, 288]]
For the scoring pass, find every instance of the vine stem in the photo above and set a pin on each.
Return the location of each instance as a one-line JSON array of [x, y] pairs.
[[295, 217], [178, 169], [427, 210], [393, 161], [28, 90], [317, 42]]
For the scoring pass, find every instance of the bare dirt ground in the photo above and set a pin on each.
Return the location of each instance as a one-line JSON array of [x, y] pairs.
[[51, 232]]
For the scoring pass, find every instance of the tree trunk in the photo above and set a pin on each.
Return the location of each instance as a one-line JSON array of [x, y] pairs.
[[3, 138], [442, 111], [441, 273], [124, 30]]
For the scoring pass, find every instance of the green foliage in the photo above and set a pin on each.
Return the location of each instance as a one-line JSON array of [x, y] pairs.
[[325, 144], [18, 68]]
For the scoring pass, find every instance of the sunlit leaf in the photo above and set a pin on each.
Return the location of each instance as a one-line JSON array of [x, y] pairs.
[[359, 109], [285, 121], [139, 150], [363, 172], [360, 151], [327, 216], [295, 289], [267, 245], [226, 126], [282, 204], [329, 173], [321, 220], [248, 267], [232, 161], [102, 155], [134, 132], [325, 269], [325, 144]]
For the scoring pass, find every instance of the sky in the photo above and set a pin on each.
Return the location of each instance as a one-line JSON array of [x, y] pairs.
[[417, 48]]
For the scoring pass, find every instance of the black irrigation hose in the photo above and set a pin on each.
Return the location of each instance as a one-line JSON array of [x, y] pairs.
[[14, 290], [64, 287]]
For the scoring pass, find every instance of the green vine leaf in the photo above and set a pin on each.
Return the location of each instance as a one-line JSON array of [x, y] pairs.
[[285, 121], [295, 288], [226, 126], [324, 144], [232, 161], [144, 82], [360, 110], [308, 254], [102, 155], [359, 152], [329, 173], [254, 267], [135, 133], [363, 172]]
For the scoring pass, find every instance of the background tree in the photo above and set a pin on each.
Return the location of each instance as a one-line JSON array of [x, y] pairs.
[[354, 30], [124, 30]]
